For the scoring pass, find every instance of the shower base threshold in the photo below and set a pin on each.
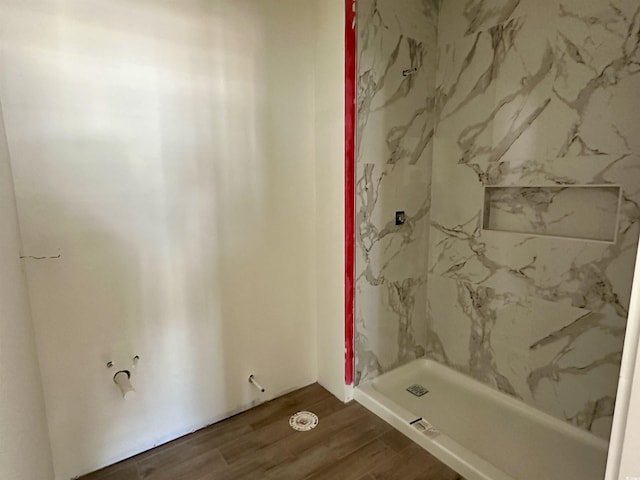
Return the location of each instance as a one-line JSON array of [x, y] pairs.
[[479, 432]]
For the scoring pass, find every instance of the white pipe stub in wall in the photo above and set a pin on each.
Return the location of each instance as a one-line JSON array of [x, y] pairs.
[[123, 380], [254, 382]]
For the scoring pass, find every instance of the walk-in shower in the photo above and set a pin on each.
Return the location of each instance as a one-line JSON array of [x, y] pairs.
[[511, 151]]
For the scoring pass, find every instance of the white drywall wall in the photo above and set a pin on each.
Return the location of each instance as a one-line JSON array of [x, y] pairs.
[[330, 194], [166, 150], [24, 444]]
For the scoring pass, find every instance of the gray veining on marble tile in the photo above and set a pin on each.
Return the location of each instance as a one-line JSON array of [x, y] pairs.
[[397, 54], [534, 98], [396, 77], [390, 266]]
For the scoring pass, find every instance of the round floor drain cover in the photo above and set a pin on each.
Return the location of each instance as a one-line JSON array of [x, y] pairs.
[[303, 421]]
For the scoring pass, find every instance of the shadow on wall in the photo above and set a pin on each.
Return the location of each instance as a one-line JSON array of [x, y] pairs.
[[168, 155]]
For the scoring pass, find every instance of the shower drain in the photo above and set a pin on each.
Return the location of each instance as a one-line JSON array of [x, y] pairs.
[[417, 390], [303, 421]]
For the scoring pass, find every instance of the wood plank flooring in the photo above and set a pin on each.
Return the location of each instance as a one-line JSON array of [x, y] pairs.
[[349, 443]]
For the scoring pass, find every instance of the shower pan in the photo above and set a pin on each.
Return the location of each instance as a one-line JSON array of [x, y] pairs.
[[479, 432]]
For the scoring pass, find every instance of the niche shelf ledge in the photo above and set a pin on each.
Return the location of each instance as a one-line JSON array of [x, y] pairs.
[[575, 212]]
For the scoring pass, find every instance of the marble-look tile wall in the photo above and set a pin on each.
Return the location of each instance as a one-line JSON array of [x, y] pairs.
[[396, 119], [534, 93]]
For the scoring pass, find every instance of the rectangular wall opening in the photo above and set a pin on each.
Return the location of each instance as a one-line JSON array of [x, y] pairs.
[[586, 212]]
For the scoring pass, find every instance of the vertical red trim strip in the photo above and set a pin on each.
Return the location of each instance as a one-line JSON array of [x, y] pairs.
[[349, 185]]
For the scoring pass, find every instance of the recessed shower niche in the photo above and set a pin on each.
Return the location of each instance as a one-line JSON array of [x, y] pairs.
[[583, 212]]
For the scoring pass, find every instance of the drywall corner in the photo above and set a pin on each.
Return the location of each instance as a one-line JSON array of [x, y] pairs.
[[329, 66]]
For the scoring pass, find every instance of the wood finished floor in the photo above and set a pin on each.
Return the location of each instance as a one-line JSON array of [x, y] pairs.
[[349, 443]]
